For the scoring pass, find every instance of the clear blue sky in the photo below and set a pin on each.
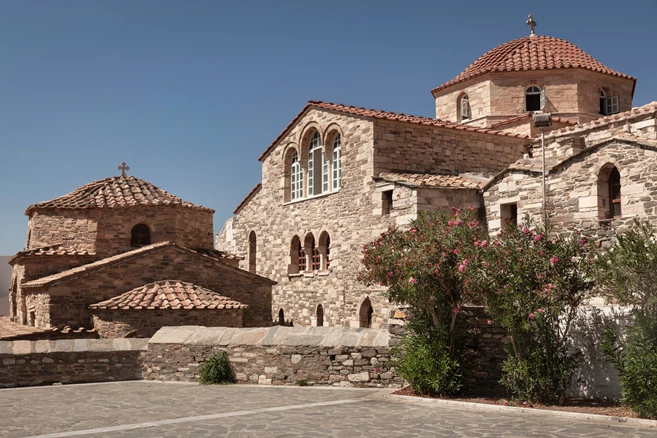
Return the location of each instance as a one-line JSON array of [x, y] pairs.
[[189, 93]]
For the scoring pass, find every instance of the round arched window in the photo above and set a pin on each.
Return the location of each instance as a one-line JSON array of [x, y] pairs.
[[140, 236]]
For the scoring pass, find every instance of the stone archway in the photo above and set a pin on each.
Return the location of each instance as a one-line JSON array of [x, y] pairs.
[[365, 313]]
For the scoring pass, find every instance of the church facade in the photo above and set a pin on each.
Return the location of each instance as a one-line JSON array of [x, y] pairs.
[[338, 175]]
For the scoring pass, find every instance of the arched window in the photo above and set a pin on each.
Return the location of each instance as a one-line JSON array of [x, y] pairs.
[[312, 252], [464, 108], [320, 316], [281, 317], [140, 236], [609, 192], [316, 166], [252, 251], [603, 101], [337, 163], [533, 98], [296, 177], [365, 314], [324, 251], [297, 257]]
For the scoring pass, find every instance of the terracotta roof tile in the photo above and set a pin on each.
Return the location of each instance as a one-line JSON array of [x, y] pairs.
[[433, 180], [169, 294], [216, 254], [532, 53], [248, 197], [383, 115], [51, 250], [524, 116], [113, 192]]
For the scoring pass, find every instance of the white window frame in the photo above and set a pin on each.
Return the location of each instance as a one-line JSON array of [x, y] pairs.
[[337, 163], [612, 105], [464, 107], [314, 145], [296, 178]]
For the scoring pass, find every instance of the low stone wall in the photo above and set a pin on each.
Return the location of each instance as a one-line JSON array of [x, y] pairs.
[[338, 356], [31, 363]]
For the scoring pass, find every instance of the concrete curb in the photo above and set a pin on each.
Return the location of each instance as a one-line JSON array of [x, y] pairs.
[[513, 409]]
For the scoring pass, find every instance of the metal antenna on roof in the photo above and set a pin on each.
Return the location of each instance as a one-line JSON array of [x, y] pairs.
[[532, 24]]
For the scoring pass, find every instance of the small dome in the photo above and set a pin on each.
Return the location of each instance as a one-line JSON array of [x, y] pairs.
[[532, 53], [114, 192]]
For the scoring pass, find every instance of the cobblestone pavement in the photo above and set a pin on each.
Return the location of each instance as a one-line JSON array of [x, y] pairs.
[[152, 409]]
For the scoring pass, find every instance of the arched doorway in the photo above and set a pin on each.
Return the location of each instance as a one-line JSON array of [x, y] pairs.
[[281, 317], [320, 316], [365, 314]]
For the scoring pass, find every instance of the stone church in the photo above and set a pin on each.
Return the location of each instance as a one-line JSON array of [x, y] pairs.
[[337, 176], [124, 257]]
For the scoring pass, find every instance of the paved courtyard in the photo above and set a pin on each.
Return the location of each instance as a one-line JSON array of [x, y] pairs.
[[152, 409]]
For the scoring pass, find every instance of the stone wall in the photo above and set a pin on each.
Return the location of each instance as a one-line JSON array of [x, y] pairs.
[[68, 302], [107, 231], [276, 355], [145, 322], [30, 363]]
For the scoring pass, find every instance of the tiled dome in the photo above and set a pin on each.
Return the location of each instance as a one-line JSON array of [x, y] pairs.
[[531, 53]]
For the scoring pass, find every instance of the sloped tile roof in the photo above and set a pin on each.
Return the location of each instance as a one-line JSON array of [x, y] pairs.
[[532, 53], [383, 115], [432, 180], [119, 258], [51, 250], [169, 294], [113, 192], [524, 116]]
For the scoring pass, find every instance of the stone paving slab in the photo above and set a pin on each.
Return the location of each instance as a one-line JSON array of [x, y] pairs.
[[181, 410]]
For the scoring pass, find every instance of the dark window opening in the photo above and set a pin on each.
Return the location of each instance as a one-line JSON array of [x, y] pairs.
[[533, 99], [603, 102], [366, 312], [328, 252], [614, 193], [252, 252], [281, 317], [509, 213], [140, 236], [302, 257], [315, 258], [386, 202], [320, 316]]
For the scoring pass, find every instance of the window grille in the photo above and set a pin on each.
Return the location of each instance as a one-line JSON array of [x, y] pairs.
[[465, 107], [296, 178], [140, 236], [611, 105], [315, 258], [302, 258], [314, 157]]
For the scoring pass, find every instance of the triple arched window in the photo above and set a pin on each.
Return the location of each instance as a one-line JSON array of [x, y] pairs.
[[322, 165], [310, 255]]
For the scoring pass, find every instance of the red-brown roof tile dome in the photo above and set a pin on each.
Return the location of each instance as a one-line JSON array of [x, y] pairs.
[[532, 53], [113, 192]]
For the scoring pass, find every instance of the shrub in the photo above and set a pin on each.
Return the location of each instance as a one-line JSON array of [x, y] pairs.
[[216, 370], [533, 284]]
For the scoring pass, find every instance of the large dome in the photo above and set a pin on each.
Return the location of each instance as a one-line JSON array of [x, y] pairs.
[[116, 191], [532, 53]]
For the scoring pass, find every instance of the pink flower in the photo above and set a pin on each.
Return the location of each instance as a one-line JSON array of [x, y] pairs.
[[413, 231], [496, 243], [483, 243], [412, 280], [476, 244], [554, 260], [465, 262], [461, 268], [582, 241], [458, 309], [519, 249], [459, 222], [431, 298], [456, 251], [456, 211], [376, 370], [451, 222], [471, 208], [531, 316], [505, 403], [540, 310], [538, 238], [390, 274], [489, 322], [525, 230]]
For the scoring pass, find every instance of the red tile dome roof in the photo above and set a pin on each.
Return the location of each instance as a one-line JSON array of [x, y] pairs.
[[532, 53], [116, 191]]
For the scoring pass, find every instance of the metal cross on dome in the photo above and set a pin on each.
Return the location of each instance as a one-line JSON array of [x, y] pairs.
[[532, 24], [123, 168]]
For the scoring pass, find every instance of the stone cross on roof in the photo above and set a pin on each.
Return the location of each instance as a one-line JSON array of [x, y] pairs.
[[532, 24], [123, 168]]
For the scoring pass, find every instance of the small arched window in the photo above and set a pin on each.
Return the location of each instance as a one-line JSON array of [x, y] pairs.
[[316, 166], [297, 257], [609, 192], [312, 252], [615, 193], [140, 236], [337, 163], [533, 98], [281, 317], [320, 316], [324, 251], [365, 314], [252, 251], [603, 101], [296, 177], [464, 108]]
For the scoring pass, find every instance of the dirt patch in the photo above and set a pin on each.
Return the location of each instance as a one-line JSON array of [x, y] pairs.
[[597, 407]]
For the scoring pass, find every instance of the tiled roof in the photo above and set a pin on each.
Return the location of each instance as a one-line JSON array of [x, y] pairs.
[[116, 191], [216, 254], [532, 53], [119, 258], [51, 250], [383, 115], [432, 180], [169, 294], [524, 116], [248, 197]]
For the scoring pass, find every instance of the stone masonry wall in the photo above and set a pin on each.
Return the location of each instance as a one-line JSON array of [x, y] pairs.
[[106, 231], [30, 363], [144, 323], [69, 300], [277, 355]]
